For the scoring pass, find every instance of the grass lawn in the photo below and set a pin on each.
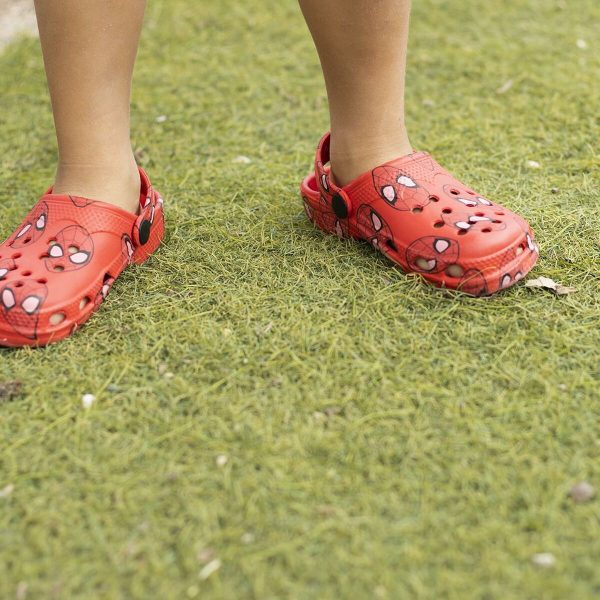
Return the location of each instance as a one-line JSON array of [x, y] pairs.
[[382, 439]]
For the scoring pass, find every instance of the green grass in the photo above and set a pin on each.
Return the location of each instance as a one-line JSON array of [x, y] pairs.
[[384, 439]]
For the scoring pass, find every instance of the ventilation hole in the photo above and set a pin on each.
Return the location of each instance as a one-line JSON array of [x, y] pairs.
[[58, 268], [438, 224], [454, 271], [447, 211], [417, 210], [454, 192], [73, 249], [84, 302], [26, 273], [19, 284], [496, 221], [27, 240], [463, 231], [471, 192], [424, 264], [434, 199], [479, 214], [16, 255], [390, 244], [51, 241], [43, 256], [486, 230], [500, 213], [13, 268], [42, 281], [57, 318]]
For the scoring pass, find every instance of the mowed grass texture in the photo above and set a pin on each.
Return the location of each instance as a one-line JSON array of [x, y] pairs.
[[280, 414]]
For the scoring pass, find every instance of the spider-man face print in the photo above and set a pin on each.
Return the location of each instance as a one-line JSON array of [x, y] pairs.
[[127, 249], [6, 265], [531, 244], [104, 290], [510, 275], [21, 306], [473, 283], [308, 209], [398, 189], [80, 202], [33, 228], [467, 222], [432, 254], [372, 227], [470, 200], [71, 249]]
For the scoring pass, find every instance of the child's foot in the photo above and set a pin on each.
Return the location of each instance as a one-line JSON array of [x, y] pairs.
[[424, 220], [59, 264], [116, 183]]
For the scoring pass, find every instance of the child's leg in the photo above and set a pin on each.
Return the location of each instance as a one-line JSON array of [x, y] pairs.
[[89, 51], [362, 47]]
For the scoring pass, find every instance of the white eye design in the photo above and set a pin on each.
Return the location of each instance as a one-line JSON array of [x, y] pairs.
[[3, 272], [129, 248], [530, 242], [56, 251], [79, 258], [152, 215], [31, 304], [324, 182], [441, 246], [406, 181], [40, 224], [505, 281], [147, 201], [466, 202], [338, 229], [483, 201], [24, 230], [476, 219], [462, 225], [389, 193], [8, 299], [377, 224]]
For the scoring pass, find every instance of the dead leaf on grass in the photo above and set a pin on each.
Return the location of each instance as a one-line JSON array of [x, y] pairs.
[[549, 284], [10, 390]]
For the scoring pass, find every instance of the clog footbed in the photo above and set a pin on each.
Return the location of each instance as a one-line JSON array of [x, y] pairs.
[[424, 220], [57, 268]]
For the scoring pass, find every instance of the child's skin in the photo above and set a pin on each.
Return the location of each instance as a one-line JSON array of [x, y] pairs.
[[89, 52]]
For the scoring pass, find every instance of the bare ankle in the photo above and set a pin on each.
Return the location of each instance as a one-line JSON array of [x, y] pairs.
[[354, 153], [117, 183]]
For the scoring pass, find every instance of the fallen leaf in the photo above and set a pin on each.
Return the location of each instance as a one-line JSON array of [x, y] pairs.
[[9, 390], [221, 460], [544, 559], [242, 159], [161, 118], [87, 400], [210, 568], [533, 164], [582, 492], [7, 490], [554, 190], [549, 284], [505, 87], [581, 44]]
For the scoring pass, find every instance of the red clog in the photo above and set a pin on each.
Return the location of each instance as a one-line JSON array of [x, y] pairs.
[[58, 266], [424, 220]]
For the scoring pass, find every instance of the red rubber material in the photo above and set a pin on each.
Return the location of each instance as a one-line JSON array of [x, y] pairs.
[[424, 220], [58, 266]]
